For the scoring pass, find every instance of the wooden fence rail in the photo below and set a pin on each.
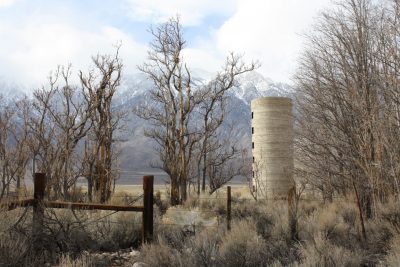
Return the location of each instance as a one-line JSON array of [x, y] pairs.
[[39, 204]]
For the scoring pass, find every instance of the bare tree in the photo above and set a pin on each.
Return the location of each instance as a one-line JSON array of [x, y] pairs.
[[213, 111], [64, 115], [224, 159], [60, 123], [14, 155], [347, 125], [176, 102], [99, 86]]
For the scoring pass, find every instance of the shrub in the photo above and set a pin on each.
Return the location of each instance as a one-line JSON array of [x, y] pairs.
[[204, 247], [322, 253], [121, 230], [170, 235], [13, 249], [191, 202], [378, 243], [392, 259], [308, 207], [217, 205], [391, 213], [125, 198], [162, 204], [260, 214], [83, 260], [161, 254], [242, 246]]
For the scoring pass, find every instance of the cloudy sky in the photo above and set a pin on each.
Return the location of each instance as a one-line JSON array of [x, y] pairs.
[[36, 36]]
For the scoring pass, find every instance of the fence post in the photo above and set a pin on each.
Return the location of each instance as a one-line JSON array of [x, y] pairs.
[[147, 228], [292, 213], [39, 185], [228, 208]]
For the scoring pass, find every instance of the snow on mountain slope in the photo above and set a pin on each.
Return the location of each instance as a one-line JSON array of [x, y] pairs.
[[251, 85], [254, 85], [138, 151]]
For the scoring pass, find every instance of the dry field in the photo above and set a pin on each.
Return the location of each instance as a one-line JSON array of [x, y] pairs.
[[195, 234]]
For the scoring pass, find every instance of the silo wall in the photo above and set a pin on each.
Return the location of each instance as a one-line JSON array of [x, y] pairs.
[[272, 146]]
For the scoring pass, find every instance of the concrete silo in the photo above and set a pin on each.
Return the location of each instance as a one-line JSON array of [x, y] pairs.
[[272, 146]]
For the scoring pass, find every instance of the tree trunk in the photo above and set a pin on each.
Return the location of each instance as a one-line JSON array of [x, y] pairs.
[[203, 185], [360, 212], [65, 188], [90, 188], [183, 190], [199, 182], [174, 192], [366, 202]]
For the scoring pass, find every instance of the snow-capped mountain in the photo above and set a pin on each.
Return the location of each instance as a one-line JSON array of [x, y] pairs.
[[138, 151], [10, 92], [253, 85]]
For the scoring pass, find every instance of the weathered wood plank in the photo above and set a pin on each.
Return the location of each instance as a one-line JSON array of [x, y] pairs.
[[90, 206], [11, 205]]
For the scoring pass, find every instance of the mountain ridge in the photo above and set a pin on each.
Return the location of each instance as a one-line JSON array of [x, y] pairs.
[[137, 151]]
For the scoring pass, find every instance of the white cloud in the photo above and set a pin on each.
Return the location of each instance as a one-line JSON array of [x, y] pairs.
[[30, 52], [269, 31], [33, 43], [191, 12], [200, 58], [6, 3]]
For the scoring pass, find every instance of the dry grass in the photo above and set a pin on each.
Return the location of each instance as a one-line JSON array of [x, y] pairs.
[[321, 252], [392, 258], [242, 246], [329, 234], [83, 260]]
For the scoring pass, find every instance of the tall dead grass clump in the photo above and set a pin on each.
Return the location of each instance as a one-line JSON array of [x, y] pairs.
[[15, 243], [321, 252], [392, 259], [204, 247], [13, 249], [120, 230], [242, 246], [171, 235], [161, 254], [83, 260], [390, 212], [260, 214]]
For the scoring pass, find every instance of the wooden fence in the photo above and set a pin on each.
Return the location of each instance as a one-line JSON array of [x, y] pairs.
[[39, 204]]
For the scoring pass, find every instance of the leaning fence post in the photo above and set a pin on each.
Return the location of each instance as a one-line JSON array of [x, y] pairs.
[[147, 228], [39, 185], [228, 208]]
